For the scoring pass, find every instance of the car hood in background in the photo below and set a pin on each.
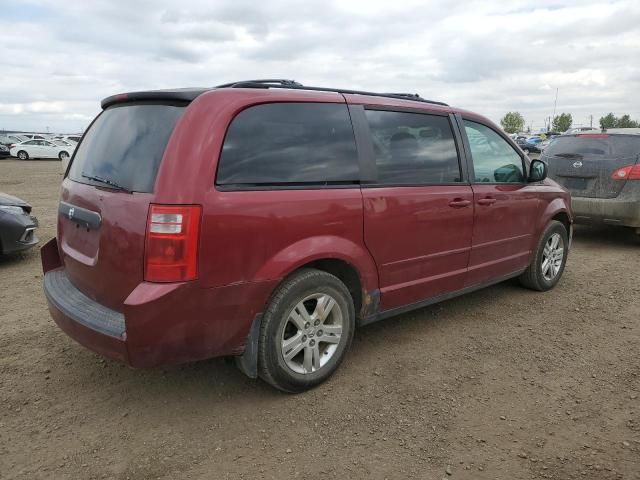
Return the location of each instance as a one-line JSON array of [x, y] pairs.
[[6, 199]]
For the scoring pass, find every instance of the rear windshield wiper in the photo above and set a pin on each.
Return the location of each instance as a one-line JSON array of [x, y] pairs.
[[567, 155], [106, 181]]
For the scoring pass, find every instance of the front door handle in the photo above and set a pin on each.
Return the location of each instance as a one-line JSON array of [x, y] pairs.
[[487, 201], [459, 203]]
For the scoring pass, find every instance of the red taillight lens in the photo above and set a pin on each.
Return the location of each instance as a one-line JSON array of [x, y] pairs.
[[630, 172], [593, 135], [171, 250]]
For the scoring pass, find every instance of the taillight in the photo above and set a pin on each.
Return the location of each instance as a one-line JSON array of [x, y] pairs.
[[171, 249], [593, 135], [630, 172]]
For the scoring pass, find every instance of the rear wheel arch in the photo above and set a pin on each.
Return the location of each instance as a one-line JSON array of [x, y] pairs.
[[344, 271], [348, 261]]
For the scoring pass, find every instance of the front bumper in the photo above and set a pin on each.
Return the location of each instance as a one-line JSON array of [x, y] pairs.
[[609, 211], [17, 233]]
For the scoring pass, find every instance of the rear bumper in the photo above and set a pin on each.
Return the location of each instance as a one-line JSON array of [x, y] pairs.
[[610, 211], [78, 321], [159, 324]]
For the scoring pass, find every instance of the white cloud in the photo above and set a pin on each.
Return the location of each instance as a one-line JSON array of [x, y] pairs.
[[486, 56]]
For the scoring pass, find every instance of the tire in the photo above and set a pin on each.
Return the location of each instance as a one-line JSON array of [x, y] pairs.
[[294, 342], [22, 155], [63, 156], [540, 276], [526, 151]]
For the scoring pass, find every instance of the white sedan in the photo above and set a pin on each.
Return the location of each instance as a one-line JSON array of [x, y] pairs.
[[43, 149]]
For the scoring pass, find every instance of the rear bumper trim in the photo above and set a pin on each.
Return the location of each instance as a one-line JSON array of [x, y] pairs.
[[64, 296], [611, 211]]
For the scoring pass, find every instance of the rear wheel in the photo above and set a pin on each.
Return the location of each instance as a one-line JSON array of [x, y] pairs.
[[306, 331], [63, 156], [22, 155], [549, 259]]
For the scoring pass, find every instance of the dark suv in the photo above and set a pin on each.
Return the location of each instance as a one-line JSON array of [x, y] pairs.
[[602, 172], [266, 220]]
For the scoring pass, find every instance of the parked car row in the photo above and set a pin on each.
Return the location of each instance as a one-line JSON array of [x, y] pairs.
[[26, 146], [43, 149]]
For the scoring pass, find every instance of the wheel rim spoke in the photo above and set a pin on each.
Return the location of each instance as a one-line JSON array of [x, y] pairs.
[[292, 346], [545, 266], [300, 316], [323, 308]]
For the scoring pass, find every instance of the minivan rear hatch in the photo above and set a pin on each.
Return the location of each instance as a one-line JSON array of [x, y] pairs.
[[585, 163], [105, 198]]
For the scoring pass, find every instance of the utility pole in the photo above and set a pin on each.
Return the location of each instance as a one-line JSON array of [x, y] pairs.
[[555, 104], [591, 121]]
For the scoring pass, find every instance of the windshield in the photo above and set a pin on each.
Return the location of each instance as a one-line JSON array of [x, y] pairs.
[[125, 145]]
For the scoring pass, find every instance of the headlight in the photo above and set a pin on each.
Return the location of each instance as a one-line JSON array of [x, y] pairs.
[[12, 209]]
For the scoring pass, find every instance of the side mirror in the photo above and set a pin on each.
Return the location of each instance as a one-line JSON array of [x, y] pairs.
[[537, 171]]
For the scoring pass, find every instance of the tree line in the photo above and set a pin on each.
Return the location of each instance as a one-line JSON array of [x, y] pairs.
[[513, 122]]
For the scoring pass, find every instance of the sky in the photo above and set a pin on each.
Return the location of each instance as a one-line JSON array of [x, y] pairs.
[[60, 58]]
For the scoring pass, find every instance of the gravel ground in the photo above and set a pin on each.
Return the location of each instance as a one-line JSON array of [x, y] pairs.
[[503, 383]]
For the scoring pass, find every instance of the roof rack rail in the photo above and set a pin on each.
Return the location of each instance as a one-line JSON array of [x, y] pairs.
[[292, 84], [262, 83], [408, 96]]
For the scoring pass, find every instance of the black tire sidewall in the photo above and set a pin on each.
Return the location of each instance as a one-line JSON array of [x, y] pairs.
[[276, 318], [554, 227]]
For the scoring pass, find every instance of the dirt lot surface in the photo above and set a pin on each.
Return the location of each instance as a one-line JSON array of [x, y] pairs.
[[504, 383]]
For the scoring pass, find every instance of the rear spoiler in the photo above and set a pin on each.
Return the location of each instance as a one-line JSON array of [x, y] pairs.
[[178, 95]]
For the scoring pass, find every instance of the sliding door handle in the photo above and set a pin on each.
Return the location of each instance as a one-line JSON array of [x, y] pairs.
[[459, 203]]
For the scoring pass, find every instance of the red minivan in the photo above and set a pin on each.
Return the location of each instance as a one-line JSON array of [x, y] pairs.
[[266, 220]]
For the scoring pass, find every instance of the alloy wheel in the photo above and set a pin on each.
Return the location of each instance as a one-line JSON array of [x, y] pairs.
[[311, 334], [552, 257]]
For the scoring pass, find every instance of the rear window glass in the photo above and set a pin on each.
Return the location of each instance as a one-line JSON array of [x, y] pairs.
[[617, 146], [625, 146], [580, 145], [288, 144], [125, 146]]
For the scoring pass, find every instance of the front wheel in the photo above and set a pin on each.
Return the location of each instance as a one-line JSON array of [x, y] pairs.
[[22, 155], [549, 259], [63, 156], [306, 331]]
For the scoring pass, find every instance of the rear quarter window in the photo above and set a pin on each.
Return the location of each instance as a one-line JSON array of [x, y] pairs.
[[282, 144], [125, 145]]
